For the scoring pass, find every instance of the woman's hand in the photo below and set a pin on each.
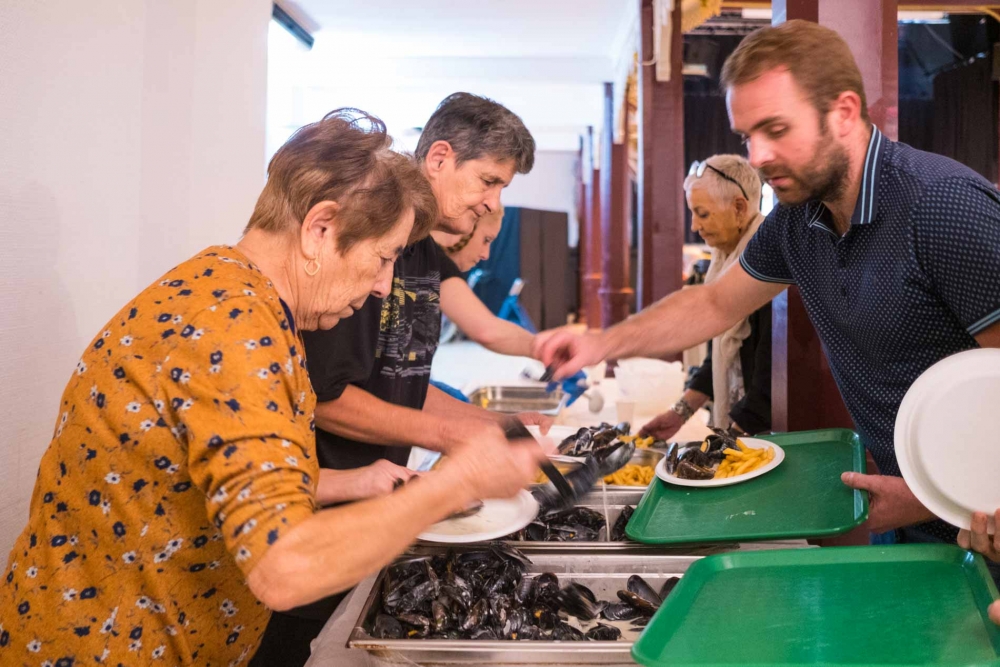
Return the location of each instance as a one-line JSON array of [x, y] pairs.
[[494, 467], [377, 479], [978, 539]]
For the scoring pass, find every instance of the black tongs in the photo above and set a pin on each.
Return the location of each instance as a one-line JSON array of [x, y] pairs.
[[513, 429]]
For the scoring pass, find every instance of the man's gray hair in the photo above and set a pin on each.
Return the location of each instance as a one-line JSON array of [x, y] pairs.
[[475, 127], [737, 168]]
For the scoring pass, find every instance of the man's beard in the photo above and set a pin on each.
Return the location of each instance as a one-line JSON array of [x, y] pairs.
[[826, 181]]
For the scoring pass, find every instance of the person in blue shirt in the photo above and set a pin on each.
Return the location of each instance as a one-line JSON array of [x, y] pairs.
[[896, 252]]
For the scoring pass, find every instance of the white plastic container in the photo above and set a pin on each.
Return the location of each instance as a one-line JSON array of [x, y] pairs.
[[653, 384]]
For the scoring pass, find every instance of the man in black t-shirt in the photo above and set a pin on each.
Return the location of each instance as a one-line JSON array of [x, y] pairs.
[[371, 372]]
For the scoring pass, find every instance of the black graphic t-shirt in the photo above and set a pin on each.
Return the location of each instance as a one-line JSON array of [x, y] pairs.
[[386, 348]]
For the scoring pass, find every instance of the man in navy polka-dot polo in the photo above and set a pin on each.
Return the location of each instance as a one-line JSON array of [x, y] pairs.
[[896, 252]]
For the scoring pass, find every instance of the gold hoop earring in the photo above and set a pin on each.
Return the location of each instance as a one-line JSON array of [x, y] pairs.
[[314, 271]]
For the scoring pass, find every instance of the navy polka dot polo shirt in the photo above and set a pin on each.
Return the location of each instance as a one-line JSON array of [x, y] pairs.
[[915, 278]]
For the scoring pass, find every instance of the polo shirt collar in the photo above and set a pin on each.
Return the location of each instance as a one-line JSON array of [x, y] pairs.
[[864, 210], [867, 204]]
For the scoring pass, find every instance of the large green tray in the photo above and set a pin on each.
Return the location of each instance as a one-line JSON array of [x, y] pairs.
[[915, 604], [802, 497]]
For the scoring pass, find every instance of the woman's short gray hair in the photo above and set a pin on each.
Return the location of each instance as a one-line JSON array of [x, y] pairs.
[[737, 168]]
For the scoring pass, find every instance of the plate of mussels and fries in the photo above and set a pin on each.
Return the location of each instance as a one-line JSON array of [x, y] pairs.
[[719, 460]]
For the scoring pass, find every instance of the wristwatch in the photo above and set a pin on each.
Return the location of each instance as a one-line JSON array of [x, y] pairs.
[[683, 408]]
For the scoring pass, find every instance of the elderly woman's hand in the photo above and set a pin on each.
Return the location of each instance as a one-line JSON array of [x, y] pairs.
[[664, 426], [978, 539], [494, 467]]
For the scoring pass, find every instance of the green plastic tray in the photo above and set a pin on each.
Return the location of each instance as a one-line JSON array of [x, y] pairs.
[[919, 604], [802, 497]]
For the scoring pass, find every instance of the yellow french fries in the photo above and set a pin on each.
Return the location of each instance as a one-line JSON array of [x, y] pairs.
[[744, 460], [631, 475]]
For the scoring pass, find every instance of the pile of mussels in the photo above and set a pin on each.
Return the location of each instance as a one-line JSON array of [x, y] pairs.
[[579, 524], [698, 460], [486, 594], [591, 439]]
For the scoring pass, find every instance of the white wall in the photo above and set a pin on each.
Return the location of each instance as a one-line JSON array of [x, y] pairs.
[[132, 136], [551, 186]]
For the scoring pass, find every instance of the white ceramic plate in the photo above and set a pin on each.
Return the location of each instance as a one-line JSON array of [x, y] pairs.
[[753, 443], [497, 518], [947, 440]]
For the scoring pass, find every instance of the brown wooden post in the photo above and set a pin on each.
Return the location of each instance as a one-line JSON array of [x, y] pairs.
[[615, 292], [870, 28], [787, 10], [661, 164], [804, 394], [592, 260]]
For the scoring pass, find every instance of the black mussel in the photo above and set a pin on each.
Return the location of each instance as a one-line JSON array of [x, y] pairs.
[[536, 531], [672, 458], [695, 456], [646, 607], [604, 436], [525, 592], [528, 632], [578, 444], [668, 586], [386, 627], [603, 633], [578, 600], [483, 633], [476, 617], [447, 634], [419, 625], [505, 580], [439, 616], [620, 612], [546, 587], [726, 438], [394, 592], [687, 470], [509, 553], [640, 587], [418, 596], [582, 516], [431, 574], [500, 609], [618, 530], [568, 534], [543, 617], [566, 632], [623, 428], [640, 622], [516, 619], [457, 596]]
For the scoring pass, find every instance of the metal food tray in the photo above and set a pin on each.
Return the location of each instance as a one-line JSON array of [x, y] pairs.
[[518, 399], [605, 574], [611, 504]]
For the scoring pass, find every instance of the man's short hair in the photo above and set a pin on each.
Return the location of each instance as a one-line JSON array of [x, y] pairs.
[[818, 59], [475, 127]]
